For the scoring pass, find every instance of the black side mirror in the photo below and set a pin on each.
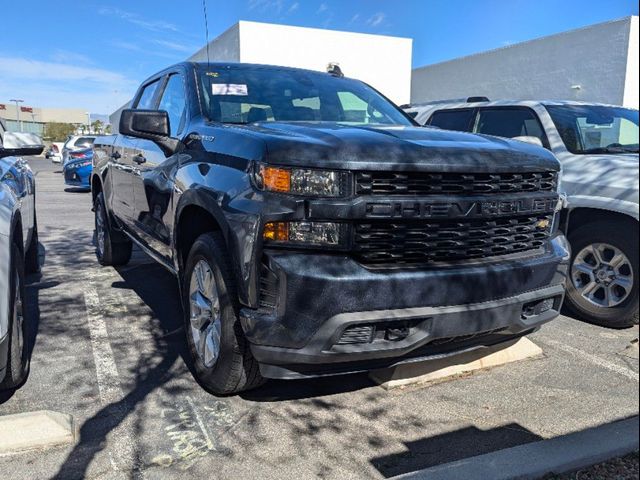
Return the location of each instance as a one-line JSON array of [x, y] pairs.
[[13, 144], [151, 125]]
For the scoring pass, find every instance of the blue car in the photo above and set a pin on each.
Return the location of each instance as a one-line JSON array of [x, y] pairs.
[[77, 170]]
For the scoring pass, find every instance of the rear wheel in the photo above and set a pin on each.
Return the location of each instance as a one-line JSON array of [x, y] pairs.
[[221, 356], [18, 353], [112, 248], [603, 284]]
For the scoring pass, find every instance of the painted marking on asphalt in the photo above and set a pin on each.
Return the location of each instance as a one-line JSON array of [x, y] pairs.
[[626, 372], [106, 370], [205, 433], [111, 393]]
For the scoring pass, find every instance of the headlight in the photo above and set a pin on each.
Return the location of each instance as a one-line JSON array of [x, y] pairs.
[[300, 181], [305, 233]]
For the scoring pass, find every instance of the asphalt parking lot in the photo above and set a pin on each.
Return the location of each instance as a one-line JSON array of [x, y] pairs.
[[109, 350]]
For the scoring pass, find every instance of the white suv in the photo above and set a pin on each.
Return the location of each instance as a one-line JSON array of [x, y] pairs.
[[598, 147], [76, 142]]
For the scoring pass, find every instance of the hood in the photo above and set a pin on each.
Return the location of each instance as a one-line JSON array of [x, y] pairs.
[[333, 145]]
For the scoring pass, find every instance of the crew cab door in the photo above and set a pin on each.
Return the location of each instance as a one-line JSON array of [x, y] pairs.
[[153, 173], [124, 160]]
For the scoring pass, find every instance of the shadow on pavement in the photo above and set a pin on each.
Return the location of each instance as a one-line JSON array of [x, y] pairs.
[[452, 446]]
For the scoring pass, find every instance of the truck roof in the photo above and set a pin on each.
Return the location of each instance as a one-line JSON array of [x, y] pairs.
[[461, 103]]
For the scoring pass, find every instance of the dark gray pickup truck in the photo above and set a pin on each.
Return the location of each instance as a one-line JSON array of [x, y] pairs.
[[315, 229]]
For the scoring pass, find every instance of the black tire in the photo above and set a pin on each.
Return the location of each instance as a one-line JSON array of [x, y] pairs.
[[32, 258], [116, 247], [235, 369], [620, 236], [18, 354]]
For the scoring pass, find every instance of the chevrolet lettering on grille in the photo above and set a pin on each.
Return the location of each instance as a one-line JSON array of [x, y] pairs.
[[461, 209]]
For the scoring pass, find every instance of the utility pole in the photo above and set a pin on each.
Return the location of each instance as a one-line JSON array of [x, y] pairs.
[[17, 102], [88, 122]]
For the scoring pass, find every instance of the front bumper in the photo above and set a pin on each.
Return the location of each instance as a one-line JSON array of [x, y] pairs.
[[430, 312]]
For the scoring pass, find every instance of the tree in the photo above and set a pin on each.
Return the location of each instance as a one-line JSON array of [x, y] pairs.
[[107, 129], [97, 126], [58, 132]]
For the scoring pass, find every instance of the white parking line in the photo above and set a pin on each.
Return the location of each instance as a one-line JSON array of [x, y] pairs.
[[626, 372], [111, 393], [106, 371]]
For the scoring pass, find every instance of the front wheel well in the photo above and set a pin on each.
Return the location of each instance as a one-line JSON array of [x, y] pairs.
[[583, 216], [193, 222]]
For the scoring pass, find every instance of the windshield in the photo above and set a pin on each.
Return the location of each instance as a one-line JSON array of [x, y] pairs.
[[269, 94], [589, 129]]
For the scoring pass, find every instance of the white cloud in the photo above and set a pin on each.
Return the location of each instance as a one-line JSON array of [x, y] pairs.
[[57, 84], [376, 19], [294, 6], [322, 8], [137, 47], [263, 5], [65, 56], [135, 19], [178, 47], [355, 18]]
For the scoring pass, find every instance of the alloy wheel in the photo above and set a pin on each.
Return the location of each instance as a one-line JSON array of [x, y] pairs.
[[602, 274], [205, 316]]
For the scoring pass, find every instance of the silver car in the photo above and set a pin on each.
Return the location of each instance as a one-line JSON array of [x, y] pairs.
[[18, 252], [597, 146]]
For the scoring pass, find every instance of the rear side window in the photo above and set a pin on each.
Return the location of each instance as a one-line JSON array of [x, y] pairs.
[[84, 141], [509, 123], [459, 120], [145, 102]]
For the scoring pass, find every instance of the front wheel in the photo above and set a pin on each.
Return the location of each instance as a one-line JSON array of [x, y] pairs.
[[603, 284], [18, 354], [220, 353]]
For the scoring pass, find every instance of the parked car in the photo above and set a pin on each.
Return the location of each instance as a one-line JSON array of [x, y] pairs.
[[77, 170], [598, 148], [54, 152], [315, 230], [18, 252], [76, 142]]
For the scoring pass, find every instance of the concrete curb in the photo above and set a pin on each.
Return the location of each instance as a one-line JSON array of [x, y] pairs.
[[35, 430], [423, 373], [534, 460]]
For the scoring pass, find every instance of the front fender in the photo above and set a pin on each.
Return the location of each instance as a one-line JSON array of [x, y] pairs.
[[624, 207]]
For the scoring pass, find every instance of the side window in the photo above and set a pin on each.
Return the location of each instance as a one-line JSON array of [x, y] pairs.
[[174, 102], [459, 120], [509, 123], [146, 99]]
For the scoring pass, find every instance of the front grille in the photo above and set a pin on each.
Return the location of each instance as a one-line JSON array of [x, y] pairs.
[[420, 183], [421, 242]]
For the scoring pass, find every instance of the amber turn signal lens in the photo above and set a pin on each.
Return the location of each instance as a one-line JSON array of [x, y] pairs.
[[276, 179], [278, 231]]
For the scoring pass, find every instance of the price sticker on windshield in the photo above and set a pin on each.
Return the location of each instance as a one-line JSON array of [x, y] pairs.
[[229, 89]]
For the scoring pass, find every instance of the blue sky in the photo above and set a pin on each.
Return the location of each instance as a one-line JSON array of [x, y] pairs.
[[92, 54]]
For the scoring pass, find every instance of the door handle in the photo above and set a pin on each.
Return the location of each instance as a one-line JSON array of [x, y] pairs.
[[139, 159], [115, 155]]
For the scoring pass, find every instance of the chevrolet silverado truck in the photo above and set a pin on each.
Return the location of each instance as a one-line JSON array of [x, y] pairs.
[[315, 229], [597, 145]]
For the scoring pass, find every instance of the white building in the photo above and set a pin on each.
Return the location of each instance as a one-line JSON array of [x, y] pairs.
[[383, 62], [598, 63]]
